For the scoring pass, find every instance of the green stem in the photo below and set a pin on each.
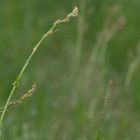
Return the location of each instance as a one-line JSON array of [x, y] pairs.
[[80, 34], [16, 82], [52, 30]]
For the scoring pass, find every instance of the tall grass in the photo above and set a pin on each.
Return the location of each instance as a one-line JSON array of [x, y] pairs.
[[83, 103], [16, 83], [80, 33]]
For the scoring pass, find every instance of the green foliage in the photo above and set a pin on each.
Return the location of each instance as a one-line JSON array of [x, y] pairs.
[[73, 71]]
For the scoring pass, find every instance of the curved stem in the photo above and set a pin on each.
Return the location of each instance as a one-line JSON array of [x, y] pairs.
[[51, 31]]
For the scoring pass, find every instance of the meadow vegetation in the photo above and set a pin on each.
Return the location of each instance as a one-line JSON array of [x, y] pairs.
[[86, 74]]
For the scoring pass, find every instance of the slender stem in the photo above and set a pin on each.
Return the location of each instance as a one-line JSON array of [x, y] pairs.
[[80, 34], [5, 108], [16, 82], [52, 30]]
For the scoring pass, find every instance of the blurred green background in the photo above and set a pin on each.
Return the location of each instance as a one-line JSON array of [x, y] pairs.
[[72, 69]]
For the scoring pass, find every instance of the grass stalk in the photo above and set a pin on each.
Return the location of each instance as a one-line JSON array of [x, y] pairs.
[[80, 33], [51, 31], [132, 68], [104, 110]]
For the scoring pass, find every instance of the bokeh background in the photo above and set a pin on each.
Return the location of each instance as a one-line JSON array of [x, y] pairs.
[[87, 74]]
